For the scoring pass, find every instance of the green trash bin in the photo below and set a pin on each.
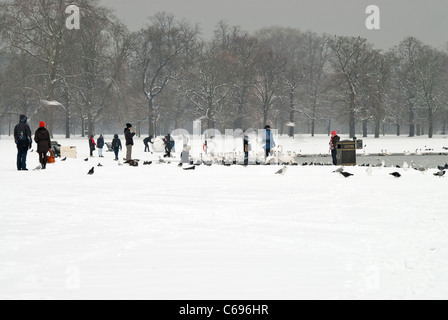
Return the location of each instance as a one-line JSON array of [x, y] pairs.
[[347, 153]]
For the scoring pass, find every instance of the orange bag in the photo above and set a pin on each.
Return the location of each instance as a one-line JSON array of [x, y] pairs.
[[50, 158]]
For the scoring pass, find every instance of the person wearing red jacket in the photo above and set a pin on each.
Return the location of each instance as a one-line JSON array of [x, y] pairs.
[[92, 145], [334, 147]]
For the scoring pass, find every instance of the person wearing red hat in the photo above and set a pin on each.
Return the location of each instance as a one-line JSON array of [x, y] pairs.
[[334, 147], [43, 140]]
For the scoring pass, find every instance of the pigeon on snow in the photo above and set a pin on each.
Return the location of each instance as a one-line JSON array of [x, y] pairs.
[[282, 171], [346, 174], [395, 174]]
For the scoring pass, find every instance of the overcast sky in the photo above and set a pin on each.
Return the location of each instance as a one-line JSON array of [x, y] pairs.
[[425, 19]]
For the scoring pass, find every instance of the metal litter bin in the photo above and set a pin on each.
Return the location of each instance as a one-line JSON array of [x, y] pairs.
[[347, 153]]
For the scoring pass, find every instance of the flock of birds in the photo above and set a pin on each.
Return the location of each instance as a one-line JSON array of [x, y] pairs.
[[278, 158], [440, 173]]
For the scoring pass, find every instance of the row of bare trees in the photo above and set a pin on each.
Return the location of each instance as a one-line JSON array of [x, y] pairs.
[[165, 76]]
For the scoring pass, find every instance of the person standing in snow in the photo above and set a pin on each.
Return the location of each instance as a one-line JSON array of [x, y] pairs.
[[117, 146], [92, 145], [268, 140], [246, 149], [147, 141], [100, 145], [334, 147], [43, 140], [168, 146], [129, 140], [22, 138]]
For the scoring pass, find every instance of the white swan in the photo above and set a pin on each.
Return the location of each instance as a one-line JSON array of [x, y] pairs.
[[285, 158]]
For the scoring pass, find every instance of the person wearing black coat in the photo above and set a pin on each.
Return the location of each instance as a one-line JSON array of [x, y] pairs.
[[116, 145], [129, 140], [246, 149], [100, 146], [334, 147], [22, 138], [168, 146], [43, 140], [147, 141], [92, 145]]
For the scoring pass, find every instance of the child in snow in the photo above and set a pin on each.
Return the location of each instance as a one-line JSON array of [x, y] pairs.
[[100, 145], [334, 147], [116, 145], [92, 145]]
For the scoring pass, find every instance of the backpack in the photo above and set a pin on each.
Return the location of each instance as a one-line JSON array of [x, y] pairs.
[[116, 143]]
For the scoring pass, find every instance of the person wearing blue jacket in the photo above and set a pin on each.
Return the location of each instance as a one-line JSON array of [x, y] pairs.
[[268, 140], [100, 146]]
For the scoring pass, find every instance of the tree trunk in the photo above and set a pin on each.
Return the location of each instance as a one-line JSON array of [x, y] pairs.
[[411, 122], [431, 123], [83, 127], [313, 126], [418, 131], [352, 121], [444, 127], [50, 109], [265, 117], [364, 128], [377, 128], [91, 125], [151, 118], [398, 130], [291, 112], [67, 123]]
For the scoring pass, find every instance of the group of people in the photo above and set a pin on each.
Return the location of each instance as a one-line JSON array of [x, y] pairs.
[[116, 144], [23, 140], [267, 140]]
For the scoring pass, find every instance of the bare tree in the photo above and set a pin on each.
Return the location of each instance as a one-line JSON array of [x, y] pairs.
[[160, 56], [348, 61]]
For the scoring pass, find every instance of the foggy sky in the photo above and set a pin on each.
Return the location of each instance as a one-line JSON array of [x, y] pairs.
[[426, 20]]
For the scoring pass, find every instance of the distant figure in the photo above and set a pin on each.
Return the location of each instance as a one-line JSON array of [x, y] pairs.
[[100, 145], [169, 145], [129, 140], [185, 155], [92, 145], [22, 137], [334, 147], [117, 146], [147, 141], [43, 140], [268, 141], [246, 149]]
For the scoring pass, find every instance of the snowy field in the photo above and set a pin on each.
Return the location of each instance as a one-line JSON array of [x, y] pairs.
[[158, 232]]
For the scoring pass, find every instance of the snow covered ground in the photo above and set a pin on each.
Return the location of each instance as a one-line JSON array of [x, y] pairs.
[[158, 232]]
